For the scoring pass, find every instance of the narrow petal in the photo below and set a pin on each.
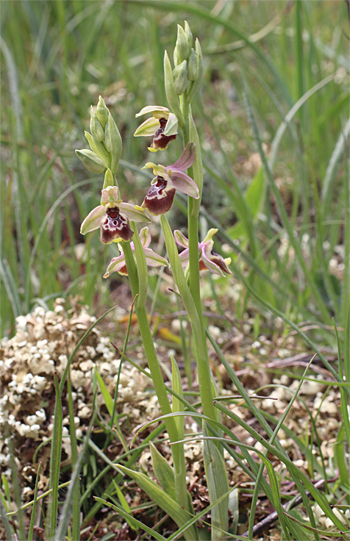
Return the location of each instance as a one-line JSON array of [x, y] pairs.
[[115, 227], [184, 183], [92, 220], [186, 159], [159, 197], [133, 213], [147, 128], [155, 109], [180, 239], [184, 257], [145, 237], [153, 259], [116, 265]]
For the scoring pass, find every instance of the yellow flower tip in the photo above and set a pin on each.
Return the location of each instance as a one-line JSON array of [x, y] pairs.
[[149, 165], [151, 149], [228, 262], [137, 207], [106, 275]]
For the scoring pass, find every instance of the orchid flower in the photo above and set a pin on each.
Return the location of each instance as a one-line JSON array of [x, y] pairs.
[[161, 194], [163, 127], [112, 216], [152, 259], [209, 260]]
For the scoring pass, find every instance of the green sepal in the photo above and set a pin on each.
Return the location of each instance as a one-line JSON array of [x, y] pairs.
[[92, 162], [193, 66], [180, 78], [98, 148], [195, 84], [163, 500], [215, 471], [170, 91], [96, 128], [113, 142], [102, 112], [109, 180], [163, 471]]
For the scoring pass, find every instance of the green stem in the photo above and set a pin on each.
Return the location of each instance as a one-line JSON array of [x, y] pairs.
[[201, 353], [138, 282], [192, 217]]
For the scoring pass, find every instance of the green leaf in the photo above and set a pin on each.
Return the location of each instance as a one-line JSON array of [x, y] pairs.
[[215, 471], [121, 511], [163, 500], [163, 471], [106, 396], [131, 521]]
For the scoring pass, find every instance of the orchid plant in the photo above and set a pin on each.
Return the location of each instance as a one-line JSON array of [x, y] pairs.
[[116, 220]]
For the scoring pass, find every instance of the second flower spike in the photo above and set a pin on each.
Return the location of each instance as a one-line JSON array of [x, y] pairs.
[[112, 217], [161, 194]]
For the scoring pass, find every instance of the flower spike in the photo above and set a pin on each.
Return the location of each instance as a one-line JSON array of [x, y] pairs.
[[152, 259], [112, 217], [208, 260], [167, 180], [163, 126]]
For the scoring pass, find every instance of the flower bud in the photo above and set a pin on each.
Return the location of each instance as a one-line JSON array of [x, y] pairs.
[[102, 112], [170, 91], [98, 148], [188, 34], [182, 48], [195, 84], [108, 181], [113, 142], [192, 66], [92, 162], [95, 127], [180, 78]]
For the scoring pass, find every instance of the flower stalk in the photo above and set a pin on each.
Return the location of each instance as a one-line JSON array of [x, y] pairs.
[[138, 277]]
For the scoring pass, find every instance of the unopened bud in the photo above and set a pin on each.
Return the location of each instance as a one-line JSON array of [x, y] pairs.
[[95, 127], [91, 161], [182, 48], [102, 112], [108, 181], [171, 95], [188, 34], [98, 148], [180, 78], [193, 66], [113, 142], [195, 84]]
